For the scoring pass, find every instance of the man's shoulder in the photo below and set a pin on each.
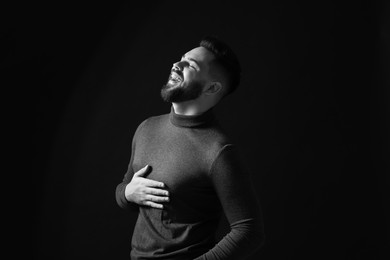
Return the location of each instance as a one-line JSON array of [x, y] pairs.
[[219, 134], [214, 139], [153, 121]]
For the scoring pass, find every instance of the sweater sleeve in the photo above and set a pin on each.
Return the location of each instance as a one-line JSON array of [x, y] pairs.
[[121, 187], [234, 188]]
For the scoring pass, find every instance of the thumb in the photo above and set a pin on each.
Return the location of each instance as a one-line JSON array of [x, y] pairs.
[[142, 172]]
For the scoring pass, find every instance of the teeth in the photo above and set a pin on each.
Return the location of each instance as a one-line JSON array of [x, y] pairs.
[[175, 77]]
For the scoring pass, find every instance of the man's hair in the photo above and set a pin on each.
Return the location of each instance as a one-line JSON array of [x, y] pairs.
[[225, 59]]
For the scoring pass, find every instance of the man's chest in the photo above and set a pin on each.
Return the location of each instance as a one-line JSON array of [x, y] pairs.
[[178, 162]]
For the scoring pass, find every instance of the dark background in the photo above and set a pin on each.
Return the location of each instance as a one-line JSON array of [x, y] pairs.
[[311, 118]]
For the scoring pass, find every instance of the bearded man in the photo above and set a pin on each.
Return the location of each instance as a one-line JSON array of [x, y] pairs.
[[184, 171]]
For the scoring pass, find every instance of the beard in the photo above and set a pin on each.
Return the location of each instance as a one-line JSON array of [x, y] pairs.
[[181, 92]]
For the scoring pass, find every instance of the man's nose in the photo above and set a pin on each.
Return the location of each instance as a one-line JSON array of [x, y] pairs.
[[178, 66]]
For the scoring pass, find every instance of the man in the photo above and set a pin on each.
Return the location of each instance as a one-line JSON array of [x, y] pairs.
[[184, 172]]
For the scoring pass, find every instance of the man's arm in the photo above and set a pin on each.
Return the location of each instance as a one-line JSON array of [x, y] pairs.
[[240, 205], [135, 190], [121, 187]]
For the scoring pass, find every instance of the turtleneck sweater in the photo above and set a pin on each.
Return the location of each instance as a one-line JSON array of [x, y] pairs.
[[205, 177]]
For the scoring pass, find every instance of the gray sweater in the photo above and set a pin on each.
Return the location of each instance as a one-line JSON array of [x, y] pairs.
[[205, 178]]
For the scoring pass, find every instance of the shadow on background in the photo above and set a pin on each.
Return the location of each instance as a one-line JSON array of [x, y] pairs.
[[310, 117]]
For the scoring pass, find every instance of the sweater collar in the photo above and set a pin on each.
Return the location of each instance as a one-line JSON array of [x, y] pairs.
[[191, 121]]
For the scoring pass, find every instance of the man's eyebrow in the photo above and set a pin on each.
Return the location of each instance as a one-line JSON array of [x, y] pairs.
[[191, 59]]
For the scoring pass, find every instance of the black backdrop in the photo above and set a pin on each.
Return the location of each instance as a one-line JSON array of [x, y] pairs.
[[311, 118]]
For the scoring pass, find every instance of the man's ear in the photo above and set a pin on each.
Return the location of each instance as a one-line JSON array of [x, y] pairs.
[[213, 88]]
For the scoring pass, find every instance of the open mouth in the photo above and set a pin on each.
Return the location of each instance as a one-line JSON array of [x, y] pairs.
[[175, 77]]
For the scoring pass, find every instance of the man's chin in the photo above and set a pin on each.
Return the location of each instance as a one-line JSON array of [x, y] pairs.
[[179, 93], [167, 92]]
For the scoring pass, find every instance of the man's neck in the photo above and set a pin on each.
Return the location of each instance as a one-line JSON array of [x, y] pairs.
[[189, 108]]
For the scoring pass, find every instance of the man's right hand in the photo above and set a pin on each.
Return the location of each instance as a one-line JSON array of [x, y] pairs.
[[146, 192]]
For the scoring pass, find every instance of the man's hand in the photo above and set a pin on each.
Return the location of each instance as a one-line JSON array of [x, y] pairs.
[[146, 192]]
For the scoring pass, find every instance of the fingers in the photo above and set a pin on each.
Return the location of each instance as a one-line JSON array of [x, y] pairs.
[[150, 192], [155, 201], [153, 183], [154, 205], [159, 199], [155, 197], [150, 183], [142, 172], [157, 192]]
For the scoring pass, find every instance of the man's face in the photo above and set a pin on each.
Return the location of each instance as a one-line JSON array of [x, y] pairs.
[[188, 76]]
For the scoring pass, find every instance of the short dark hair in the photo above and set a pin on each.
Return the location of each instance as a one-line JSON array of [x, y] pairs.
[[225, 58]]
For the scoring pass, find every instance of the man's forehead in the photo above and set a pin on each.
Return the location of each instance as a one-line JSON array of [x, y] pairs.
[[200, 54]]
